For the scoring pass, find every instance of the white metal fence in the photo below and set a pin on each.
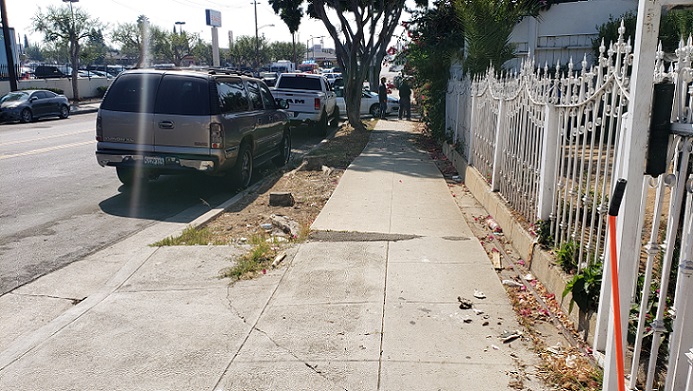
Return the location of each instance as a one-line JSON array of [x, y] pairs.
[[550, 141]]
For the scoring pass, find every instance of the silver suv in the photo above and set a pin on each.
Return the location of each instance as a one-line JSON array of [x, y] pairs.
[[220, 123]]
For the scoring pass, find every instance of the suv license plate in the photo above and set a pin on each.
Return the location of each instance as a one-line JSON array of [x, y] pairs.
[[154, 160]]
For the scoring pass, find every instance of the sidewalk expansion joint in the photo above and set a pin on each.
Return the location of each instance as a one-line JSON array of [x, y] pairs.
[[347, 236], [351, 236]]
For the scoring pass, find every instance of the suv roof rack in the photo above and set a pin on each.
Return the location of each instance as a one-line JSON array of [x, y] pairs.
[[226, 71]]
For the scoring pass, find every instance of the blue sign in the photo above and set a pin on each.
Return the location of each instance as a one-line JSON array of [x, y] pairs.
[[213, 18]]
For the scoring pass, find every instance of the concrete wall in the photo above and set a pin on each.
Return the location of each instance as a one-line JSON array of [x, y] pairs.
[[566, 30], [87, 86]]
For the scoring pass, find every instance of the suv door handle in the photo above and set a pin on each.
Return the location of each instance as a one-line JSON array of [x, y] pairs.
[[166, 124]]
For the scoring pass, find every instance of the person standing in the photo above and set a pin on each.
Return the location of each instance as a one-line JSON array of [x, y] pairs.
[[405, 100], [382, 97]]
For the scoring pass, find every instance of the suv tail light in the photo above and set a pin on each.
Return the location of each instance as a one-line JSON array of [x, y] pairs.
[[317, 104], [216, 135], [99, 129]]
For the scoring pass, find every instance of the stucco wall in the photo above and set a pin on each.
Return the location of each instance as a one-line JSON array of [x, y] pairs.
[[87, 86]]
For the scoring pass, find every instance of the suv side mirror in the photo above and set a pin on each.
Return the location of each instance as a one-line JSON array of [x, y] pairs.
[[282, 103]]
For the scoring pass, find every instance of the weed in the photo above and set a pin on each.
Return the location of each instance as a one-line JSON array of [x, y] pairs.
[[585, 288], [190, 237], [566, 256], [258, 258]]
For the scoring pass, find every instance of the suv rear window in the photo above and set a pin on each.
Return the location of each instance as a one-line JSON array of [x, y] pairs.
[[183, 95], [132, 93]]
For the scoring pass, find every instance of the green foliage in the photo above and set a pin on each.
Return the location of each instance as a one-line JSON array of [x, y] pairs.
[[101, 91], [488, 25], [436, 35], [567, 256], [543, 231], [258, 258], [674, 26], [585, 288], [190, 237]]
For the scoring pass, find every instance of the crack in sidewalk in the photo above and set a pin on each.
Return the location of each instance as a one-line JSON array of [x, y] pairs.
[[253, 327], [73, 300]]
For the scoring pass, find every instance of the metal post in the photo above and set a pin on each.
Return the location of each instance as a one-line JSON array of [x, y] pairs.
[[631, 167], [495, 177], [549, 154], [257, 39], [12, 74]]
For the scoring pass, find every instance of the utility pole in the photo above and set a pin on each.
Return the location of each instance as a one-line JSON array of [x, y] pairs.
[[11, 71], [257, 39]]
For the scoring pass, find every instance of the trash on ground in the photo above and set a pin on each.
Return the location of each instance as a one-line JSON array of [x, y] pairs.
[[477, 311], [266, 226], [493, 224], [277, 260], [464, 303], [511, 283], [479, 294], [529, 277], [510, 336]]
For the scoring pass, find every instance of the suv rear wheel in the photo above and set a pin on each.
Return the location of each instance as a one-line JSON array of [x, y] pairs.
[[126, 175], [242, 172], [284, 151], [321, 126]]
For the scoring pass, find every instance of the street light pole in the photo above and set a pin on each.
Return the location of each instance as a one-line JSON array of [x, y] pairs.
[[257, 38]]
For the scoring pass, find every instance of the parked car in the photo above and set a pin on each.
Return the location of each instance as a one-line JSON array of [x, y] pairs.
[[49, 71], [215, 122], [369, 104], [331, 77], [312, 99], [30, 105]]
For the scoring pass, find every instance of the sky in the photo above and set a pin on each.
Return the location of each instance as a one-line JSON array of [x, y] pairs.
[[237, 16]]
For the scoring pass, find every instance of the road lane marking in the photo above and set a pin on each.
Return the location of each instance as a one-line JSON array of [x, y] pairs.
[[45, 137], [49, 149]]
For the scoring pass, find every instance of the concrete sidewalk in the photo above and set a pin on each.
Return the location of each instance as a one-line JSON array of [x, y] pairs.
[[370, 304]]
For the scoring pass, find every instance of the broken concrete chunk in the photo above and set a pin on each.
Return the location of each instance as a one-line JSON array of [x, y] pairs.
[[287, 225], [479, 294], [510, 336], [464, 303], [281, 199]]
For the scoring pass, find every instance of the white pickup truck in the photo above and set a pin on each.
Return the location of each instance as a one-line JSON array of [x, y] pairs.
[[310, 97]]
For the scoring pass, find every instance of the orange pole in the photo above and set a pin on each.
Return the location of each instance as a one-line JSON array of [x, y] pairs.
[[617, 306]]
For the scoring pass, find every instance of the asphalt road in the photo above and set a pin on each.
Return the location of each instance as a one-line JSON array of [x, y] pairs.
[[58, 205]]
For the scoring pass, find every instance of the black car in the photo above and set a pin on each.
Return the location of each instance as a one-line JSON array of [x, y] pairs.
[[29, 105]]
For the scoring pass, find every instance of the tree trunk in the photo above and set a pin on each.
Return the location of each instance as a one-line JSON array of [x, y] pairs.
[[74, 59]]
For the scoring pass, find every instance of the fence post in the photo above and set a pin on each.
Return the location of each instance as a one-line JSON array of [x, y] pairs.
[[549, 154], [495, 177], [632, 152], [471, 106]]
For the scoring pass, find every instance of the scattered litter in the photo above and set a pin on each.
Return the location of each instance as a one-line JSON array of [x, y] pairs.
[[512, 283], [478, 312], [243, 240], [464, 303], [529, 277], [493, 224], [479, 294], [467, 320], [277, 260], [456, 178], [496, 260], [510, 336], [570, 361], [266, 226], [485, 323], [495, 347]]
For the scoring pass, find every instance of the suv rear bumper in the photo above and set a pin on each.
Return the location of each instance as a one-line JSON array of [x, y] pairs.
[[154, 161]]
